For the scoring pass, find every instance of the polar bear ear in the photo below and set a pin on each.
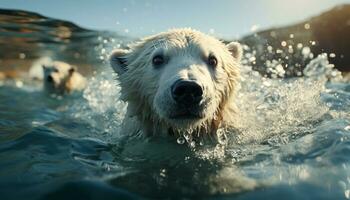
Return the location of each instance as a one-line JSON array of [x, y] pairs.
[[72, 70], [236, 50], [118, 60]]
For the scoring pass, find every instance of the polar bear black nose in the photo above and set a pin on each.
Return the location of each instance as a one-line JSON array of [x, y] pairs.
[[187, 92], [49, 79]]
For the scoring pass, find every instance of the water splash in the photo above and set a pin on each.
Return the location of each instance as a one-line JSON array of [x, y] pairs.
[[278, 106], [282, 106], [320, 68], [102, 107], [279, 109]]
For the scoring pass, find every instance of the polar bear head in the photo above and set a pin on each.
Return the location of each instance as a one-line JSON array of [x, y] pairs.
[[60, 77], [179, 80]]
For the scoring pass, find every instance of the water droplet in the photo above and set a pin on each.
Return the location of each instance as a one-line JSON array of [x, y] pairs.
[[187, 136], [162, 173], [299, 45], [180, 140], [347, 194], [318, 159], [306, 51], [307, 26], [222, 138], [22, 55], [270, 48], [254, 28], [347, 128], [211, 31], [19, 84], [273, 34], [279, 51], [290, 50], [193, 144], [252, 59], [283, 43]]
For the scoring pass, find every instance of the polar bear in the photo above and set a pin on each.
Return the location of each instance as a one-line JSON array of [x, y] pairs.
[[179, 81], [60, 77]]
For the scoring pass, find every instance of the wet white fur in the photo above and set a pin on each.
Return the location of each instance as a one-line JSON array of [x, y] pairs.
[[147, 89], [65, 78]]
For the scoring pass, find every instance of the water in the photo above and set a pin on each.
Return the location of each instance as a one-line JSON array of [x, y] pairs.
[[293, 141]]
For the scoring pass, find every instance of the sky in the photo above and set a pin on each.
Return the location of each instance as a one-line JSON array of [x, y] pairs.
[[227, 19]]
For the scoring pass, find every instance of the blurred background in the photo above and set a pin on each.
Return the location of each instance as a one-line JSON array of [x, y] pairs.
[[81, 32]]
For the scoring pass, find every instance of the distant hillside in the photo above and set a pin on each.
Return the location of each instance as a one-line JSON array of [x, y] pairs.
[[329, 33], [25, 36]]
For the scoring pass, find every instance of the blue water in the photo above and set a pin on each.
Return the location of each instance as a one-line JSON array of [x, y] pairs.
[[60, 147], [293, 142]]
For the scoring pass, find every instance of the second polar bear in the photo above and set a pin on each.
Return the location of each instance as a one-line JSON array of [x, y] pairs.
[[60, 77], [177, 82]]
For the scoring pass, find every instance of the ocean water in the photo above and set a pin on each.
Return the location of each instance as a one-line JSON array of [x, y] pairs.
[[293, 141]]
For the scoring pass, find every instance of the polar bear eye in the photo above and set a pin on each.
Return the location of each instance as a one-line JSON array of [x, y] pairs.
[[158, 60], [212, 61]]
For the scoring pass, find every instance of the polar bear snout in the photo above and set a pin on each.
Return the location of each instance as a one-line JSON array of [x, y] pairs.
[[49, 79], [187, 93], [52, 80]]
